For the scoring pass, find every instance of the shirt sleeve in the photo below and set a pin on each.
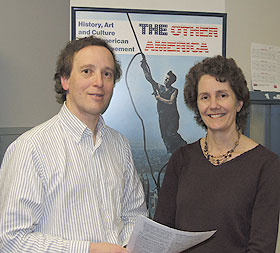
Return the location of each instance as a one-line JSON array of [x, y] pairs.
[[265, 214], [22, 204], [134, 198]]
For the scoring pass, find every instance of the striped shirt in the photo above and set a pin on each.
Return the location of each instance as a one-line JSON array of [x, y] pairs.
[[59, 191]]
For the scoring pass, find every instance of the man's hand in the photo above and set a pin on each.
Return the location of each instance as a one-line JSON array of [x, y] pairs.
[[105, 247], [144, 65]]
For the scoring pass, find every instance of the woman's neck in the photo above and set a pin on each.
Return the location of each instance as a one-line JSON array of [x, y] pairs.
[[220, 142]]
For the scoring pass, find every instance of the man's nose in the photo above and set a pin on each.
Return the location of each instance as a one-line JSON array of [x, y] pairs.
[[97, 79]]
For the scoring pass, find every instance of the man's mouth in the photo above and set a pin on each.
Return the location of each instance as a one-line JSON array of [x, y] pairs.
[[96, 95]]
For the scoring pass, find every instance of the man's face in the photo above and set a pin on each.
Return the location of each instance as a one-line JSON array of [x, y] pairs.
[[166, 80], [91, 82]]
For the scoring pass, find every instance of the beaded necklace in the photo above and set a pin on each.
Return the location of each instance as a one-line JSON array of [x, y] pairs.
[[217, 160]]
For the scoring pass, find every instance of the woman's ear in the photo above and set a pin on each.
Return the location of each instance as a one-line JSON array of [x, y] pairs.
[[65, 83], [239, 106]]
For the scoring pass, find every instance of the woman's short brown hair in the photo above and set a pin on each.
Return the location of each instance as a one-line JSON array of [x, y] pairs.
[[223, 69]]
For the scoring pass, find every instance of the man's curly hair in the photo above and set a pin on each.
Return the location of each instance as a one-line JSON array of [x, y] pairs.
[[223, 69]]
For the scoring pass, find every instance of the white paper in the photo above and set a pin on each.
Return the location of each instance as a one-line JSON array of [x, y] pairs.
[[265, 67], [151, 237]]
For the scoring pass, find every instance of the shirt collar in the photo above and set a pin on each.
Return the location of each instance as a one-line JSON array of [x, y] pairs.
[[76, 127]]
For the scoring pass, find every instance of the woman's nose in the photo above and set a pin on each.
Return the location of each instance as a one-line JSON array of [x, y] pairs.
[[214, 103]]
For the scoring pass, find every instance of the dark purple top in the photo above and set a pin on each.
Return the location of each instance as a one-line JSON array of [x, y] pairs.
[[240, 199]]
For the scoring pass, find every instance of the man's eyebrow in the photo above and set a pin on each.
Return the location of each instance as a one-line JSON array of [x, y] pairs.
[[87, 66], [92, 66], [110, 69]]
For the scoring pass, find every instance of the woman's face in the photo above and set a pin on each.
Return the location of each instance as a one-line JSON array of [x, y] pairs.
[[217, 104]]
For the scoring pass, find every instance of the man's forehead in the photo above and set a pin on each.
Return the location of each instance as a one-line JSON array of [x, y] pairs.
[[96, 48], [93, 52]]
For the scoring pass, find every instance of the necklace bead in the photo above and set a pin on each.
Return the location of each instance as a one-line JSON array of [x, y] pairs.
[[217, 160]]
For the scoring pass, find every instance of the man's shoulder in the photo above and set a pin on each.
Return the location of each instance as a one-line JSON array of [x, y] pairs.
[[44, 128], [173, 89], [32, 138]]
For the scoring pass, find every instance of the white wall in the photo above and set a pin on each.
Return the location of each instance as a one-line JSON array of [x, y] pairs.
[[177, 5], [32, 34], [251, 21]]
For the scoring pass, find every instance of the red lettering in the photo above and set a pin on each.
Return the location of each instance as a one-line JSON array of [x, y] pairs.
[[160, 46], [183, 47], [204, 48], [195, 47], [150, 46], [198, 31], [204, 32], [180, 47], [213, 31], [176, 30], [171, 47]]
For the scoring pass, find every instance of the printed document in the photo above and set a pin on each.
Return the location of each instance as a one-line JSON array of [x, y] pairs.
[[265, 67], [151, 237]]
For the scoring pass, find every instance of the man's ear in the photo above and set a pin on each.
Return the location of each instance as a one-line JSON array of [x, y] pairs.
[[65, 83]]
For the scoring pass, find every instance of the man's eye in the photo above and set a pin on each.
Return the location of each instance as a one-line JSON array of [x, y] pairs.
[[86, 71], [108, 74]]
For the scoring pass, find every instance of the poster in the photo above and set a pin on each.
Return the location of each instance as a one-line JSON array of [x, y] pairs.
[[154, 48], [265, 67]]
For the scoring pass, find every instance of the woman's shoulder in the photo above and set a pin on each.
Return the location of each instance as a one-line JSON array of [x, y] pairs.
[[257, 152], [247, 145], [190, 147], [181, 158], [185, 152]]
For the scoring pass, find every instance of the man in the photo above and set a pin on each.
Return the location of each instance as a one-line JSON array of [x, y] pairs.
[[166, 97], [69, 184]]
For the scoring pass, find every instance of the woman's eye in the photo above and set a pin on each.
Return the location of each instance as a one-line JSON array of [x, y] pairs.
[[203, 97], [223, 95]]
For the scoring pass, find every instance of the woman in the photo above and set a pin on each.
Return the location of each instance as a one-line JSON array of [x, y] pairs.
[[224, 181]]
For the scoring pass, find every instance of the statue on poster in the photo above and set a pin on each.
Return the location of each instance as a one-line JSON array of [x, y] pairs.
[[168, 114]]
